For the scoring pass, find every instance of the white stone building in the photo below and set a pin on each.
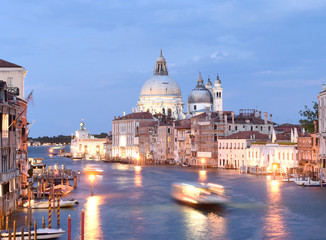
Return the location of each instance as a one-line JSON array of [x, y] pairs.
[[161, 93], [85, 145], [322, 129], [13, 75], [263, 156]]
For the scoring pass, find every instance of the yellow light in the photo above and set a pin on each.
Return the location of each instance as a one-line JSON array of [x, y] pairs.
[[137, 168], [51, 150], [274, 166], [203, 160], [91, 177]]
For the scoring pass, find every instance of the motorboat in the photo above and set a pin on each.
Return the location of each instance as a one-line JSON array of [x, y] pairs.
[[310, 183], [41, 233], [200, 193], [93, 170], [45, 204]]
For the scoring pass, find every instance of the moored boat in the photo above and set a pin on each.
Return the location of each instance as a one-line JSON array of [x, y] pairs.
[[200, 193], [45, 204], [310, 183], [41, 233]]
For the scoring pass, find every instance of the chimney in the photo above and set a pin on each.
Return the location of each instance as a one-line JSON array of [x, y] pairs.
[[265, 117], [232, 117], [315, 125], [271, 117], [259, 114], [323, 87]]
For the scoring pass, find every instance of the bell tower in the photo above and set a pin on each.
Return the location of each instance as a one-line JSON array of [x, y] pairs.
[[217, 95]]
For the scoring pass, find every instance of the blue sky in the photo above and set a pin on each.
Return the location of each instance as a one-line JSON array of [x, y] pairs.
[[89, 58]]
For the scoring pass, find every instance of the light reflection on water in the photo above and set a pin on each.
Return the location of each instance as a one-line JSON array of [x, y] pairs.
[[274, 224], [202, 175], [92, 219], [204, 225], [138, 178]]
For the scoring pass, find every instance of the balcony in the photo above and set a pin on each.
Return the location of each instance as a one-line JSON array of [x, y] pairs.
[[6, 176]]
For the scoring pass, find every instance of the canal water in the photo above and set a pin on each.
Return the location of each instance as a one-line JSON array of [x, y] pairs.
[[131, 204]]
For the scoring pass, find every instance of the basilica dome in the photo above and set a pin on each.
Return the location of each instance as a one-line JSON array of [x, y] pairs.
[[200, 94], [160, 85]]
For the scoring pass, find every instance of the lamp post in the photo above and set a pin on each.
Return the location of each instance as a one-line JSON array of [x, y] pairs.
[[203, 162], [92, 177]]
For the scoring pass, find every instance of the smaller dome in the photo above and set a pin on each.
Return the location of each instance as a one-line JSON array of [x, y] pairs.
[[209, 83], [200, 94], [217, 81]]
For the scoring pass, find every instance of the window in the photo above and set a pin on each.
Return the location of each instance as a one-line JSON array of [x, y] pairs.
[[261, 128], [269, 128], [169, 130], [163, 111], [5, 122], [236, 128], [215, 138], [252, 128], [230, 128], [195, 107], [9, 81], [175, 139], [169, 112]]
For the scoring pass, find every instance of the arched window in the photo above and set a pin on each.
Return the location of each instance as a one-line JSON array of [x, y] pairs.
[[215, 138], [195, 107], [169, 112], [217, 94]]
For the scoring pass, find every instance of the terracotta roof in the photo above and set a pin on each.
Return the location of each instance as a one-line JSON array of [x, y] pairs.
[[138, 115], [184, 126], [247, 135], [148, 124], [5, 64], [283, 137]]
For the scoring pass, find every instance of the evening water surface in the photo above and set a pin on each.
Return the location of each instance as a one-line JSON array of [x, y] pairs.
[[137, 205]]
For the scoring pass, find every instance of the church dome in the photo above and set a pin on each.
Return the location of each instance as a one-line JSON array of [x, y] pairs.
[[200, 94], [160, 83]]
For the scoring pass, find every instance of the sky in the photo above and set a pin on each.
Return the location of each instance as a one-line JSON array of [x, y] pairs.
[[89, 58]]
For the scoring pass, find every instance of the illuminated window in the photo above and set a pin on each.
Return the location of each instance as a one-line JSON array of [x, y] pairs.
[[5, 122]]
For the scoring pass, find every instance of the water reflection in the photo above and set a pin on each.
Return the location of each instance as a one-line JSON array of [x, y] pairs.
[[274, 224], [202, 175], [92, 219], [138, 178], [201, 224]]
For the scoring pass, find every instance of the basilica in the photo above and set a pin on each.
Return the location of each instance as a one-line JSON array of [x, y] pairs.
[[161, 94]]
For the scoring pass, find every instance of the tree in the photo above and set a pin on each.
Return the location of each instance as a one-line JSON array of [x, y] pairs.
[[309, 115]]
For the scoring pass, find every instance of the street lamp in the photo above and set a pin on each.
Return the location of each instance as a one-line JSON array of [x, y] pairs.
[[203, 162], [92, 177]]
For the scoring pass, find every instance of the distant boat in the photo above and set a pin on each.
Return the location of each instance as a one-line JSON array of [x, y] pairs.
[[45, 204], [310, 183], [41, 233], [93, 170], [37, 162], [200, 194]]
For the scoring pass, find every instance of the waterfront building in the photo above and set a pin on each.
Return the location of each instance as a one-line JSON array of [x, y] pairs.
[[11, 144], [262, 156], [232, 149], [125, 134], [85, 145], [14, 76], [182, 141], [161, 93], [147, 135], [308, 151], [322, 129], [107, 147]]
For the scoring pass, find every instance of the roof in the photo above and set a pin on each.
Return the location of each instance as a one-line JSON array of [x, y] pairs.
[[283, 137], [5, 64], [136, 115], [184, 126], [247, 135], [148, 124]]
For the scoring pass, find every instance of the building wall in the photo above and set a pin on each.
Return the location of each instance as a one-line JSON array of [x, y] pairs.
[[232, 153], [15, 78], [322, 128]]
